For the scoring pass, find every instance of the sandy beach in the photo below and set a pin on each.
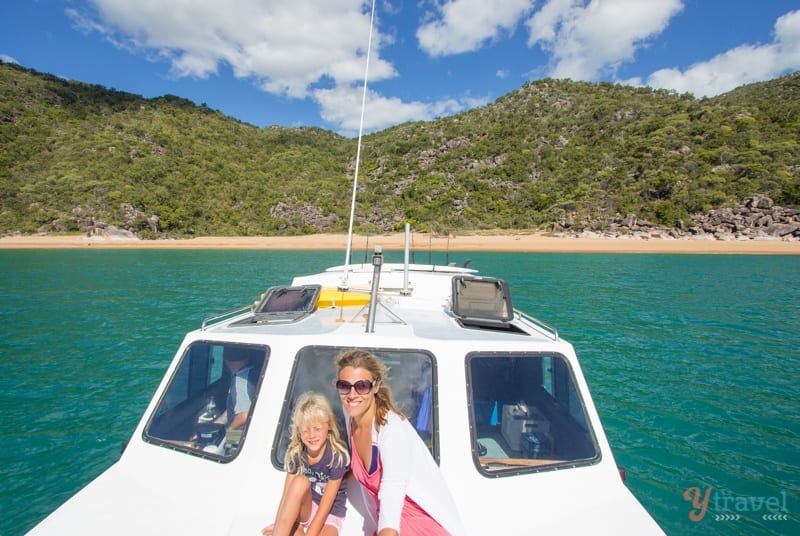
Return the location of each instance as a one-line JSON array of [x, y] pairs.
[[531, 242]]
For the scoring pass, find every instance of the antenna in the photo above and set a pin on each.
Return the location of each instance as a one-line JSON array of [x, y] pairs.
[[344, 283]]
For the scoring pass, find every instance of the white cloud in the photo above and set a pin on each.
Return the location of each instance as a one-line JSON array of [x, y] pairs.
[[5, 58], [587, 40], [286, 47], [459, 26], [342, 105], [742, 65]]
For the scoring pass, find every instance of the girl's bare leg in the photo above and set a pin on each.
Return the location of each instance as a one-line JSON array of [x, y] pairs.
[[295, 506]]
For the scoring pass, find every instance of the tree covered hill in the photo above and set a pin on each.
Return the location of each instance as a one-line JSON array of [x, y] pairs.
[[74, 153]]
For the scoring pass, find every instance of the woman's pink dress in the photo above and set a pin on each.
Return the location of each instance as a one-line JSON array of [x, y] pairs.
[[413, 521]]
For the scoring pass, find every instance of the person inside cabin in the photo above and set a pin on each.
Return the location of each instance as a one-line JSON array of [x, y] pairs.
[[242, 387], [400, 484]]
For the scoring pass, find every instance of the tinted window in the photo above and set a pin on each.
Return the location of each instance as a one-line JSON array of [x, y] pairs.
[[411, 377], [208, 403], [526, 414]]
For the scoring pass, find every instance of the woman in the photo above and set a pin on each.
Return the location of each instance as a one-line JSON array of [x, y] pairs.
[[397, 475]]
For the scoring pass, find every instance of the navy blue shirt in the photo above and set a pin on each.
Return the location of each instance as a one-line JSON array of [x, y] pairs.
[[320, 473]]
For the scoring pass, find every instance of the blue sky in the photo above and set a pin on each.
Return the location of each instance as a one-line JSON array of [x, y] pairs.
[[301, 62]]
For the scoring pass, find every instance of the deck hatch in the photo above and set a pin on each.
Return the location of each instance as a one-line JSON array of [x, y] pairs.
[[287, 304], [481, 301]]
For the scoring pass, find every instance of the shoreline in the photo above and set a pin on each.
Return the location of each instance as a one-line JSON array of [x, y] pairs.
[[521, 243]]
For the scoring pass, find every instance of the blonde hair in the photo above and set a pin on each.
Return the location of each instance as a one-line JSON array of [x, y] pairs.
[[380, 373], [313, 407]]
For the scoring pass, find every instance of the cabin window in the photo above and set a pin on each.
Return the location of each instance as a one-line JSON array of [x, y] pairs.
[[210, 399], [526, 414], [411, 377]]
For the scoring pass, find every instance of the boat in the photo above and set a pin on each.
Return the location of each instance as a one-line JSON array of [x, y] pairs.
[[497, 396]]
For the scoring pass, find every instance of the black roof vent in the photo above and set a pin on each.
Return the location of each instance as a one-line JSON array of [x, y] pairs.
[[482, 301], [287, 304]]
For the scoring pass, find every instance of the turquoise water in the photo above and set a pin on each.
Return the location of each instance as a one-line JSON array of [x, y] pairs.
[[692, 361]]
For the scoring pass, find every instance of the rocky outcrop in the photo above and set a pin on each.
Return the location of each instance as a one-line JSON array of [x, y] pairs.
[[307, 215], [755, 218], [105, 231]]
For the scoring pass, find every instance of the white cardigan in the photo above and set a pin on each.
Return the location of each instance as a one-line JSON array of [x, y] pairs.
[[408, 469]]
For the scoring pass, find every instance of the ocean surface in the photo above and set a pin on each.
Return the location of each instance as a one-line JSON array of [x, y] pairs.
[[693, 362]]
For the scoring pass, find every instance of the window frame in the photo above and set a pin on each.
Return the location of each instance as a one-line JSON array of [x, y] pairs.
[[282, 430], [567, 378], [185, 446]]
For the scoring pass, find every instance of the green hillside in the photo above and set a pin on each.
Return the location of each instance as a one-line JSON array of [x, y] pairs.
[[74, 153]]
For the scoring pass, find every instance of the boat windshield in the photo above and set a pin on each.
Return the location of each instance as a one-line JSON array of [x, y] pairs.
[[526, 414], [411, 377], [206, 408]]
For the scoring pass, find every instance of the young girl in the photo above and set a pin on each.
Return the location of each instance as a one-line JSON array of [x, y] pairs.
[[313, 501]]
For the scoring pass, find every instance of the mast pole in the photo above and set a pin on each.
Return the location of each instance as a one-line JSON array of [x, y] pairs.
[[345, 277]]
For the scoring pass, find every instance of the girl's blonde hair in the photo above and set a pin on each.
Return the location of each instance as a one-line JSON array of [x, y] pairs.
[[380, 373], [313, 407]]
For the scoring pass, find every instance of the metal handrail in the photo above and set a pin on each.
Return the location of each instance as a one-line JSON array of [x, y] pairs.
[[219, 317], [548, 329]]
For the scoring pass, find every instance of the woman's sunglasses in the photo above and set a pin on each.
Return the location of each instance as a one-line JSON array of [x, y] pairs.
[[362, 387]]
